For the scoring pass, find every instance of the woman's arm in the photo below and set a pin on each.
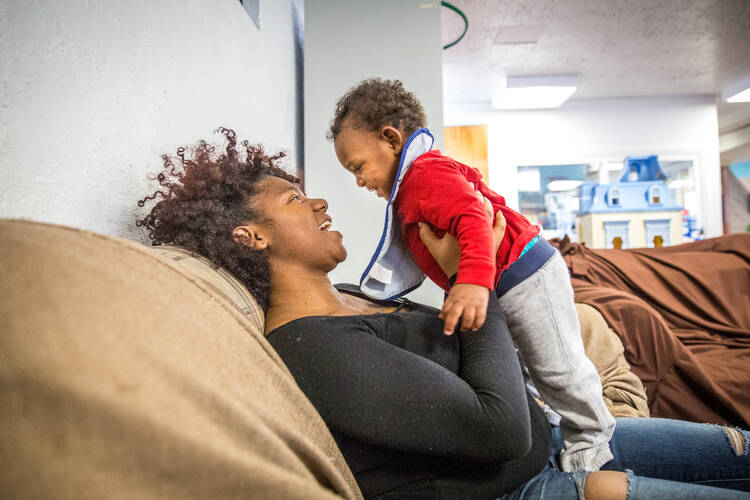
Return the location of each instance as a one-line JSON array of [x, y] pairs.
[[445, 250]]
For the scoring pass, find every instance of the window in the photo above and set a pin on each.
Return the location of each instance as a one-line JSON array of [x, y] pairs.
[[654, 195], [548, 197], [657, 233], [617, 234], [613, 197], [633, 173]]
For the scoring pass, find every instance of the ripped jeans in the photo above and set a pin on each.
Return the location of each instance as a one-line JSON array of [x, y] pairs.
[[663, 459]]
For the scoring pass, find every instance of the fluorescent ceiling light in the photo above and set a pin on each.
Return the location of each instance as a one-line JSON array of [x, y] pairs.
[[743, 96], [534, 92], [738, 91]]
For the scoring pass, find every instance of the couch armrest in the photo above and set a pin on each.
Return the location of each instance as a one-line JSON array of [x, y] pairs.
[[121, 376]]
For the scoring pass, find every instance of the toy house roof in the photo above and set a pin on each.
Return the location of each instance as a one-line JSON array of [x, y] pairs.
[[642, 168], [641, 185], [633, 197]]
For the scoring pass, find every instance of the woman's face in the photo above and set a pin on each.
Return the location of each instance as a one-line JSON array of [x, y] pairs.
[[297, 228]]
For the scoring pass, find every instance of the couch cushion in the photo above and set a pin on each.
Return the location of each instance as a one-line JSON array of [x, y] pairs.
[[623, 391], [216, 278], [121, 376]]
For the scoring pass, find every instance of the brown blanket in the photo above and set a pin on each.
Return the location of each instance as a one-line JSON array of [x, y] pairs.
[[683, 314]]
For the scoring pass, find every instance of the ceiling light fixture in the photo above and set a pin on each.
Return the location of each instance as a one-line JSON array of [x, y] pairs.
[[534, 92], [515, 35], [741, 96]]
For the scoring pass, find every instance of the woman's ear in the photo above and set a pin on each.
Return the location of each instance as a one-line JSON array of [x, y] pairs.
[[393, 136], [250, 237]]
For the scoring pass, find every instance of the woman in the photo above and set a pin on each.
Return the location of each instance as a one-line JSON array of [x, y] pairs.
[[415, 413]]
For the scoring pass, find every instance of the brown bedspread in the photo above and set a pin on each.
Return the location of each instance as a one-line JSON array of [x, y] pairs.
[[683, 314]]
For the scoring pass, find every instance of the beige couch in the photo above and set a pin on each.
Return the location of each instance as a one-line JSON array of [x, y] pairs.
[[124, 374], [129, 371]]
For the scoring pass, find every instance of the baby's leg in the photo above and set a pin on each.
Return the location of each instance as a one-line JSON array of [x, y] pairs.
[[544, 325]]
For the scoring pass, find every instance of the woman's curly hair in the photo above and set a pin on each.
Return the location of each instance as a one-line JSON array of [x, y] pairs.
[[376, 103], [204, 196]]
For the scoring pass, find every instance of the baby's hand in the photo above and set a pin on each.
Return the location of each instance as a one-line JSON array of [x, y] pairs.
[[467, 300]]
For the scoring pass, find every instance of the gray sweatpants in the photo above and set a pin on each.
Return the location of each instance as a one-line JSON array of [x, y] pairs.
[[544, 325]]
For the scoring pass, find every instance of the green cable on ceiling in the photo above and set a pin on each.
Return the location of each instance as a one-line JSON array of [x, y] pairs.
[[463, 16]]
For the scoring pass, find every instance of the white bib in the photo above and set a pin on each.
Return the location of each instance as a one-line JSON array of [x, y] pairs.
[[392, 271]]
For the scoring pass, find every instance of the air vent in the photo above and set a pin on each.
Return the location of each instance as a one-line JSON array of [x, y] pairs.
[[512, 35]]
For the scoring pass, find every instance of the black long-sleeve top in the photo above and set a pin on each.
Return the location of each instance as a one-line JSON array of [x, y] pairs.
[[417, 413]]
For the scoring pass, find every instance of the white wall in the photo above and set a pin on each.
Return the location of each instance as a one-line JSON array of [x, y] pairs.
[[92, 93], [346, 42], [595, 130]]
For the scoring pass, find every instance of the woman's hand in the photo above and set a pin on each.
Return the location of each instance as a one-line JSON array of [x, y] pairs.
[[464, 299]]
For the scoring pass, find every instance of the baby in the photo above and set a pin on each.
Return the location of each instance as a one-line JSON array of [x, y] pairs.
[[379, 136]]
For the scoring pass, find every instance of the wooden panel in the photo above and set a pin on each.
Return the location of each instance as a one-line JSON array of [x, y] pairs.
[[468, 145]]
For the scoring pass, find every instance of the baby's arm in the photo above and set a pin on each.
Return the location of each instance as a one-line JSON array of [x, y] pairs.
[[466, 302], [448, 201]]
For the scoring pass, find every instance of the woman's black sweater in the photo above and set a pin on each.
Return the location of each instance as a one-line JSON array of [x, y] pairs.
[[416, 413]]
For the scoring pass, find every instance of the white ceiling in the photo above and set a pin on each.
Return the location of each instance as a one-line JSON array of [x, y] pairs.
[[618, 48]]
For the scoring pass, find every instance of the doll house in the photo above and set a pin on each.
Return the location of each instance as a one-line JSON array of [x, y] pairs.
[[638, 211]]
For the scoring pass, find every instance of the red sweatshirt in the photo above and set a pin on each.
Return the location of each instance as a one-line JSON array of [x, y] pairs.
[[441, 191]]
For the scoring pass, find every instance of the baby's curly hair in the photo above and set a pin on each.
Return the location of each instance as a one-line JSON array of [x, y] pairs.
[[375, 103], [204, 197]]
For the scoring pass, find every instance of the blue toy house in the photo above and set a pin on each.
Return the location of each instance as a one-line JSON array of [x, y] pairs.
[[636, 212]]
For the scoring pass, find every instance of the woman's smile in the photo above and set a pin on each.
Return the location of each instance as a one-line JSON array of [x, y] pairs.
[[325, 226]]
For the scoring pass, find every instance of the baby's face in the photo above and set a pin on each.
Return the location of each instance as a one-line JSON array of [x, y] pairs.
[[371, 158]]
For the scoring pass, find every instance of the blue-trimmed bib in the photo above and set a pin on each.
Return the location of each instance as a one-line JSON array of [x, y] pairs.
[[392, 271]]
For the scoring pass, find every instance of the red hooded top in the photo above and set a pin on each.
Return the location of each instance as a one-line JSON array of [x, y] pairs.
[[441, 191]]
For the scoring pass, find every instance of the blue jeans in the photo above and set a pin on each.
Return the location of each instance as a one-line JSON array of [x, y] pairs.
[[681, 451], [663, 459]]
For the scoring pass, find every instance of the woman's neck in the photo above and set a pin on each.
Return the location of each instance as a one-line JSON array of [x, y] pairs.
[[297, 293]]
